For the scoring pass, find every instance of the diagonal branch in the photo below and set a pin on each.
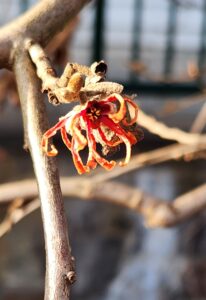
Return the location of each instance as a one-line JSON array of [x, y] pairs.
[[156, 127], [200, 120], [16, 215], [172, 152], [58, 256], [40, 24]]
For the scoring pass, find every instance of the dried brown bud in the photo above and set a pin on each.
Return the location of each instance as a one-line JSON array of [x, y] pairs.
[[99, 68], [71, 276], [64, 79], [53, 98], [64, 95], [76, 82]]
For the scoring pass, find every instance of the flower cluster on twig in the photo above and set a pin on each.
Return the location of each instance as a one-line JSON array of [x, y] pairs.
[[104, 116]]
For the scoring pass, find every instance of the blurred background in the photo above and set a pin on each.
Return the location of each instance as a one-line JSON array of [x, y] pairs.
[[157, 49]]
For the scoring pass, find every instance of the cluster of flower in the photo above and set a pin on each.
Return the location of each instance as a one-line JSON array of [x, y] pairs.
[[109, 122]]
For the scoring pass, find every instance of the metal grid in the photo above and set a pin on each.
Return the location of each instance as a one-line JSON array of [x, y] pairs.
[[168, 64], [162, 36]]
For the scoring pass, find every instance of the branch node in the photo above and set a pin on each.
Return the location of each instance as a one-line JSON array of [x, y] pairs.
[[71, 277]]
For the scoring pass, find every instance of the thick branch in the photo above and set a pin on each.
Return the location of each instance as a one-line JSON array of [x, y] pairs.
[[40, 23], [58, 256]]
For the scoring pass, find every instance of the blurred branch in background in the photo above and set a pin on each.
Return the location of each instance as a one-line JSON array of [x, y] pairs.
[[172, 106], [200, 120], [191, 74], [176, 134], [58, 47], [16, 211], [173, 152], [38, 25], [155, 212], [7, 88]]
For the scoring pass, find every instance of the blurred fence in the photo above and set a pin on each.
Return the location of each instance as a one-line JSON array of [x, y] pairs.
[[146, 43]]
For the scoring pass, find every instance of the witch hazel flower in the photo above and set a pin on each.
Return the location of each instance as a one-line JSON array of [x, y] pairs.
[[109, 122]]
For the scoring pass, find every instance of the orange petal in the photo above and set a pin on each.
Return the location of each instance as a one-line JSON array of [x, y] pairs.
[[65, 138], [127, 138], [48, 134], [75, 130], [128, 151], [93, 154], [77, 159], [134, 119], [117, 117]]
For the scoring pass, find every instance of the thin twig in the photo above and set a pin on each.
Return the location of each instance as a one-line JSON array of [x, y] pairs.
[[171, 107], [200, 120], [44, 71], [16, 215], [162, 130], [58, 256], [56, 48], [77, 83], [59, 44], [173, 152], [190, 75]]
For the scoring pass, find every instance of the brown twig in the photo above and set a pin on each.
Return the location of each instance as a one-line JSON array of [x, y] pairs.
[[162, 130], [191, 74], [77, 83], [58, 254], [16, 215], [57, 48], [7, 87], [173, 152], [155, 212], [44, 70], [174, 105], [200, 120]]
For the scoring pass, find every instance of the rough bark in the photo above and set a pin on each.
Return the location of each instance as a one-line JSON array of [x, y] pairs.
[[58, 254]]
